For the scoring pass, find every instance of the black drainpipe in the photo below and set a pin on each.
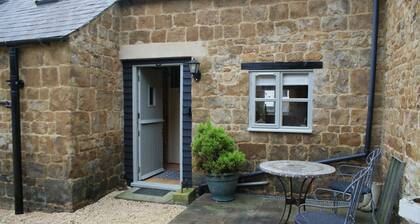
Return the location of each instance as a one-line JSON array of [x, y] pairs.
[[371, 92], [15, 85], [373, 59]]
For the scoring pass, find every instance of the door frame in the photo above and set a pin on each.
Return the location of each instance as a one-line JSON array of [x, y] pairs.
[[136, 130]]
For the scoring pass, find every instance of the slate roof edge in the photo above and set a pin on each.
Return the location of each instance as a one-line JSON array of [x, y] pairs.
[[54, 38]]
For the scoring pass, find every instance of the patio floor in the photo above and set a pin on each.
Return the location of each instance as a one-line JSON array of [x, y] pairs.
[[245, 209]]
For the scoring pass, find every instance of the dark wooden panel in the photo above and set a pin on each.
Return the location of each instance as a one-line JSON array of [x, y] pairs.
[[128, 127], [186, 132]]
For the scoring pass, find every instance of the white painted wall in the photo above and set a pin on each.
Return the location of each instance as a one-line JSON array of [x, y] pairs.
[[409, 209]]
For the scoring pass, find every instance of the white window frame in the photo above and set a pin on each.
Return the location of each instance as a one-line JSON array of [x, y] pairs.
[[277, 127]]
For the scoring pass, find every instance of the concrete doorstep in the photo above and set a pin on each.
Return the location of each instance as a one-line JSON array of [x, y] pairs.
[[184, 197], [132, 196]]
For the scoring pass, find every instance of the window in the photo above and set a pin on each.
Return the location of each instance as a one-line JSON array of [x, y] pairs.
[[152, 100], [280, 101]]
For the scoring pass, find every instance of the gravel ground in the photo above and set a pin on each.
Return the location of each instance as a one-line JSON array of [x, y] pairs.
[[106, 210]]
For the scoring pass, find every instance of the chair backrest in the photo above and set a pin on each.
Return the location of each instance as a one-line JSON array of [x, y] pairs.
[[372, 161], [390, 191], [374, 156], [355, 188]]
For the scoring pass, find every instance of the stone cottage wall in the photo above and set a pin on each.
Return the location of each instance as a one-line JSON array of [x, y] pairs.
[[336, 32], [96, 126], [400, 68], [45, 149], [5, 139], [71, 119]]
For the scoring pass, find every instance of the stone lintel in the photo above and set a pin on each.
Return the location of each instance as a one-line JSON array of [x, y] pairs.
[[163, 50]]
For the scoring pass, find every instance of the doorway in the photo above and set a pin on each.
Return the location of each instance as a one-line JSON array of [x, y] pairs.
[[158, 145]]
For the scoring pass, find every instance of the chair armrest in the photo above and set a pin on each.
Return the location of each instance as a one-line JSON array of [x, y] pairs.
[[343, 170], [333, 192]]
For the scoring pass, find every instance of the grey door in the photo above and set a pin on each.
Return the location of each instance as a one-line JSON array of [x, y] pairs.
[[150, 123]]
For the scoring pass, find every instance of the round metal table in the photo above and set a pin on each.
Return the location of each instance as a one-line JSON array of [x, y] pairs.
[[290, 169]]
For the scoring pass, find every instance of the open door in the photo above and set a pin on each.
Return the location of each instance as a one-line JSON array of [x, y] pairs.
[[161, 126], [150, 122]]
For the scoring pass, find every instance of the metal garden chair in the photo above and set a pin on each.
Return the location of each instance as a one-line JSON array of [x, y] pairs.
[[345, 170], [349, 199], [390, 191]]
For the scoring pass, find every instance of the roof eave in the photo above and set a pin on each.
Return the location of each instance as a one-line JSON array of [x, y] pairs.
[[35, 41]]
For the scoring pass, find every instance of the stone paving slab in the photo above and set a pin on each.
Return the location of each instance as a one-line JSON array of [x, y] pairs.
[[246, 209]]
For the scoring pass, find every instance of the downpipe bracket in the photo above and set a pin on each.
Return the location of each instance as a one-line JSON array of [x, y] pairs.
[[16, 84], [6, 103]]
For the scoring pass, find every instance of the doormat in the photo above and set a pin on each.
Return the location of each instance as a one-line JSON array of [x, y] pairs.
[[151, 192], [169, 174]]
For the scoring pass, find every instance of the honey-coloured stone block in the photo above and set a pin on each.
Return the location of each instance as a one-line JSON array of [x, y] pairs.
[[163, 21], [185, 20], [176, 35], [208, 17], [298, 10], [49, 77], [255, 14], [350, 139], [253, 151], [63, 99], [231, 16], [279, 12], [206, 33], [142, 36], [145, 22], [247, 30], [158, 36], [317, 7]]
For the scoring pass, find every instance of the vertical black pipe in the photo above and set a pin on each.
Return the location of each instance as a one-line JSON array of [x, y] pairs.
[[15, 85], [373, 59]]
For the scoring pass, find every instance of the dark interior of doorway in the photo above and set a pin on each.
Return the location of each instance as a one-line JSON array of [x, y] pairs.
[[171, 128]]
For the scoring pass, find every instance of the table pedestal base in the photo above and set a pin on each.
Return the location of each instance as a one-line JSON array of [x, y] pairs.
[[290, 198]]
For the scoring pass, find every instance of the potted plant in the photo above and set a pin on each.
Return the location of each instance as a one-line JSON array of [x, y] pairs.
[[218, 156]]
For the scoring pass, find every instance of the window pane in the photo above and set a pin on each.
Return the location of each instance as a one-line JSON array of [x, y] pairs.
[[265, 112], [295, 91], [266, 92], [295, 79], [265, 87], [295, 114], [266, 80]]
